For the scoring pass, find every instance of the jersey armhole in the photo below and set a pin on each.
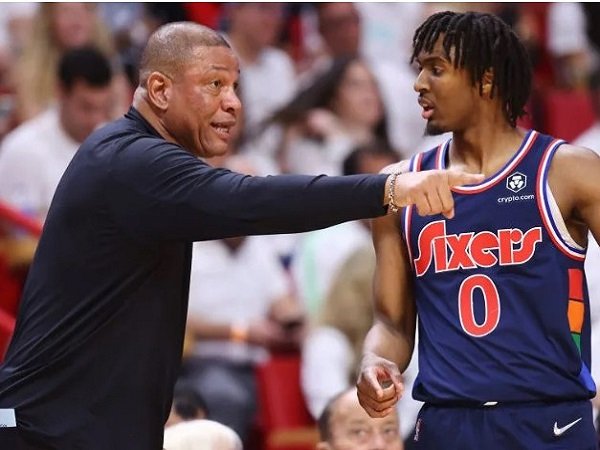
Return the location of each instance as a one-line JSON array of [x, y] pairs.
[[414, 166], [550, 213]]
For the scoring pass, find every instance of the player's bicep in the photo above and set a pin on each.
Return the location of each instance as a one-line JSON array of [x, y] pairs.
[[393, 288]]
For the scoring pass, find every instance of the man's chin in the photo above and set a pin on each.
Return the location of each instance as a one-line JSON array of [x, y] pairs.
[[216, 150], [431, 129]]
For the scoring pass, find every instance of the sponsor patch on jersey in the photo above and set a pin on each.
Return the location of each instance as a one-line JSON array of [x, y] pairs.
[[516, 182]]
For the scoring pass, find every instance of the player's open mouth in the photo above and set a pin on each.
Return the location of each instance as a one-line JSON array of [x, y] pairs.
[[427, 113], [428, 108]]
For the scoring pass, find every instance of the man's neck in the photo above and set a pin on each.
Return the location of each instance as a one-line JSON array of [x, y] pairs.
[[147, 112]]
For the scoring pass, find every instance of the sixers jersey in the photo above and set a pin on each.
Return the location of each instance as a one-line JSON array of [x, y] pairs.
[[500, 289]]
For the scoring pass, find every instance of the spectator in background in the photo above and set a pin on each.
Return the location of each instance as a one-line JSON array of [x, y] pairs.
[[319, 254], [187, 405], [57, 28], [339, 27], [332, 351], [344, 425], [15, 26], [340, 110], [568, 44], [267, 75], [34, 156], [590, 138], [201, 435], [359, 30], [240, 308]]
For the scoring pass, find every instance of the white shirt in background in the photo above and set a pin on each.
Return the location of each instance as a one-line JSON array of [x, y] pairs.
[[33, 158], [238, 286]]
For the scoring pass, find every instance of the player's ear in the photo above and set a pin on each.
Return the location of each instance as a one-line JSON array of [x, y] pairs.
[[487, 83], [159, 88]]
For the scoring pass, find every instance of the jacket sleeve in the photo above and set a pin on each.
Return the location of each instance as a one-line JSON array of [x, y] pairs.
[[159, 191]]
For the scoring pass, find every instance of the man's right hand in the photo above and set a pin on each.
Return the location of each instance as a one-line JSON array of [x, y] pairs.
[[430, 190], [379, 385]]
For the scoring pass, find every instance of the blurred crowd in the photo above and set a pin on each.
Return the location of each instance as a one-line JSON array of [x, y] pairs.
[[327, 88]]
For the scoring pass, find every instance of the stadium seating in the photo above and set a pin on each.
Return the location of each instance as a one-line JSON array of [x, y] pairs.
[[284, 420]]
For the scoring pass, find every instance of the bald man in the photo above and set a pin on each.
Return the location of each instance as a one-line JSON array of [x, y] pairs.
[[99, 335], [345, 425]]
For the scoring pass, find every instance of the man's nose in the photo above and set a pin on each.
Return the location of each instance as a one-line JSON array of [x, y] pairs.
[[231, 102], [377, 442], [420, 82]]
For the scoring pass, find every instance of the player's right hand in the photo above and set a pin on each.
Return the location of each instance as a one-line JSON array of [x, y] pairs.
[[430, 190], [379, 385]]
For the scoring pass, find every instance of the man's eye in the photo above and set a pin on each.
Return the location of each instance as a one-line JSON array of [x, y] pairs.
[[390, 431], [436, 71], [216, 84], [359, 432]]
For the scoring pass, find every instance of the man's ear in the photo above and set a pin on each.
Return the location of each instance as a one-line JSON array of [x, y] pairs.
[[487, 81], [159, 88]]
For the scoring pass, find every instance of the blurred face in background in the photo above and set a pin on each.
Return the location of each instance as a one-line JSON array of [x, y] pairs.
[[72, 24], [258, 23], [353, 429], [83, 108], [357, 100], [339, 26]]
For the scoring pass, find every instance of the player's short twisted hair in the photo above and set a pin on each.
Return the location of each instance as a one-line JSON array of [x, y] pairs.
[[482, 42]]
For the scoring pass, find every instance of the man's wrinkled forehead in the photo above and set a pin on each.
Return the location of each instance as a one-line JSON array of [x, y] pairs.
[[213, 59]]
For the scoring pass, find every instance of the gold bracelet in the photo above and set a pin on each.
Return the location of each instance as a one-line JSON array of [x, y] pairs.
[[392, 205]]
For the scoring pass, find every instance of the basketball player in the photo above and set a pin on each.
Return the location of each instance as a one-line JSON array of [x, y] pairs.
[[99, 335], [504, 339]]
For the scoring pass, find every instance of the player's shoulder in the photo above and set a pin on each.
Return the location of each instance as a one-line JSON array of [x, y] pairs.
[[573, 166], [573, 156]]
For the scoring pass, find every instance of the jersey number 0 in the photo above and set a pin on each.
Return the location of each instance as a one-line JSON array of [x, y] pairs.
[[491, 301]]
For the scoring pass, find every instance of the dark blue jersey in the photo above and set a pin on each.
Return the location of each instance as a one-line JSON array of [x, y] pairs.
[[500, 289]]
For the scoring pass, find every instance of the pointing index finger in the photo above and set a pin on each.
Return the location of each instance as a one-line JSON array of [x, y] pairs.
[[459, 178]]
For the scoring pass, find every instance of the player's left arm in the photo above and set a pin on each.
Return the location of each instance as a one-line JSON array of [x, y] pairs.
[[574, 179]]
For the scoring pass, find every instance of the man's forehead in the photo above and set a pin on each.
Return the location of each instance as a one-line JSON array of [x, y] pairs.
[[216, 53], [437, 53], [215, 59]]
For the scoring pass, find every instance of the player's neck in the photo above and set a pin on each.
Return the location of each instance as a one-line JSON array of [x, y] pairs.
[[485, 148]]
